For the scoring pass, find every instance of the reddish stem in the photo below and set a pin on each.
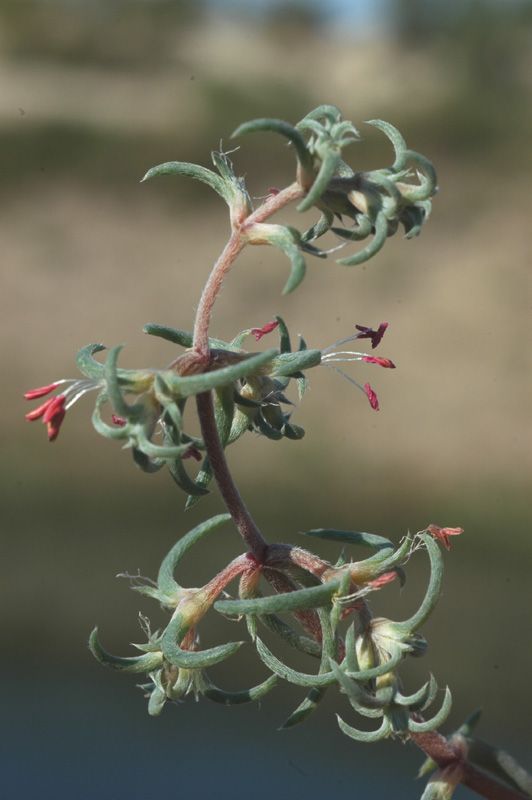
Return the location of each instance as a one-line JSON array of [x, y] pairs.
[[443, 753], [231, 496], [211, 291]]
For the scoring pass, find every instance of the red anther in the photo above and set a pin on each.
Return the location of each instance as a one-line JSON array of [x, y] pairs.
[[372, 397], [442, 534], [258, 333], [33, 394], [369, 333], [382, 362]]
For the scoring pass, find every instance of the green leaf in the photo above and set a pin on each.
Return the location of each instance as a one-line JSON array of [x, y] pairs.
[[395, 137], [437, 720], [421, 699], [182, 338], [351, 537], [428, 180], [331, 113], [329, 165], [218, 695], [190, 171], [284, 129], [316, 694], [196, 384], [144, 663], [87, 364], [278, 626], [289, 364], [285, 345], [192, 659], [433, 590], [365, 736], [101, 427], [306, 707], [114, 392], [376, 244], [289, 674], [165, 580], [288, 601]]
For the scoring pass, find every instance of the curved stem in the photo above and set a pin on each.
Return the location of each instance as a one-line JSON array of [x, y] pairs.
[[211, 291], [232, 499], [237, 241]]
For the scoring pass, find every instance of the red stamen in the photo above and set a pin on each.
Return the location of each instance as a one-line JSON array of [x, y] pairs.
[[442, 534], [54, 424], [382, 362], [120, 421], [372, 397], [55, 406], [258, 333], [369, 333], [33, 394], [40, 410]]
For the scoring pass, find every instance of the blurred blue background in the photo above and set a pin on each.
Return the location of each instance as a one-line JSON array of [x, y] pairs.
[[92, 94]]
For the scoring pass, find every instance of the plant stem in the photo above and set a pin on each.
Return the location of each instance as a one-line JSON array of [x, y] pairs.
[[231, 496], [215, 452], [442, 752], [211, 291], [236, 243]]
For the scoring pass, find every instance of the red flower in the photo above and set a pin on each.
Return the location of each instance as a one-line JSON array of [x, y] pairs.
[[382, 362], [258, 333], [442, 534], [369, 333], [372, 397]]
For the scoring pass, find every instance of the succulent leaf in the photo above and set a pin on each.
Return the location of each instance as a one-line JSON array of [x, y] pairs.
[[191, 171], [166, 582], [143, 663], [191, 659]]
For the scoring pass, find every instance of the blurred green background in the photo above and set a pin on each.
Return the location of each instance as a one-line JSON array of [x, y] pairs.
[[92, 94]]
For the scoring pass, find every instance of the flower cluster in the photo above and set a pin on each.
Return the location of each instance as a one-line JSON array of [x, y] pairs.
[[249, 391], [332, 621]]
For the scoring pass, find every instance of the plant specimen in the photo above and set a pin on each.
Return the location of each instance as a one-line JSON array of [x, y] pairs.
[[319, 608]]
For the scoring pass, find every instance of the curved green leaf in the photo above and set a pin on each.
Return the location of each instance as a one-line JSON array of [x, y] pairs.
[[284, 129], [195, 384], [190, 171], [289, 674], [351, 537], [420, 699], [437, 720], [288, 364], [87, 364], [365, 736], [433, 590], [395, 137], [192, 659], [144, 663], [381, 234], [166, 582], [218, 695], [328, 167], [288, 601]]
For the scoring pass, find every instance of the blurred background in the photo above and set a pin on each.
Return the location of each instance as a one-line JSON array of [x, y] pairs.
[[93, 94]]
